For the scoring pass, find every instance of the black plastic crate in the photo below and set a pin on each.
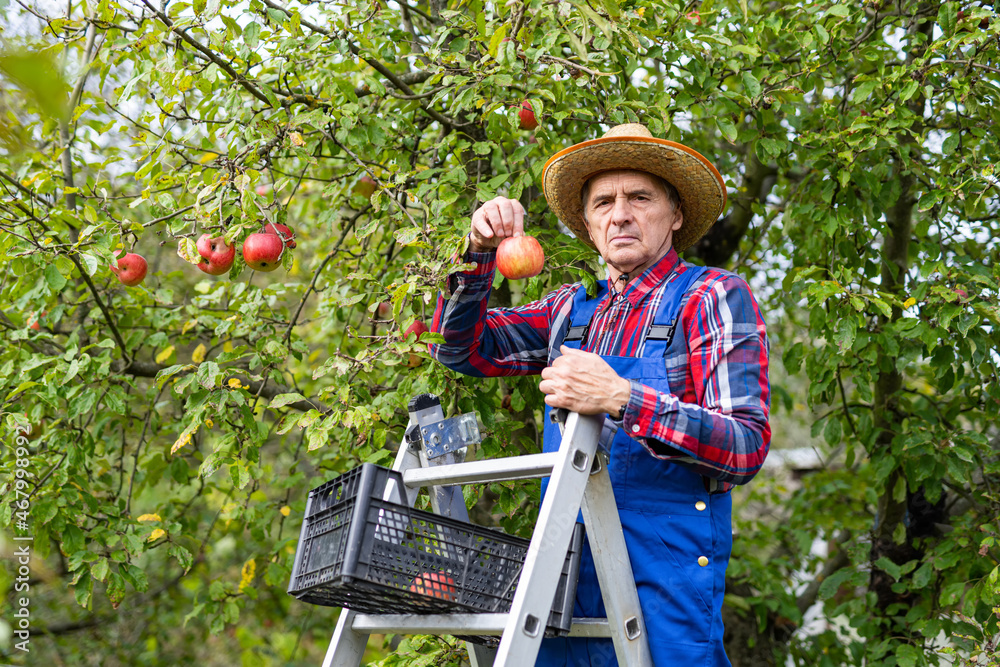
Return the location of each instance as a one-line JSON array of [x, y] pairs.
[[375, 556]]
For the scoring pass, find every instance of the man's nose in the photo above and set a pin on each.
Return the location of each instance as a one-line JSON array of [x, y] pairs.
[[621, 214]]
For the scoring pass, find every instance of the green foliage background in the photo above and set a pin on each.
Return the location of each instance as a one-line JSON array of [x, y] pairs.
[[182, 422]]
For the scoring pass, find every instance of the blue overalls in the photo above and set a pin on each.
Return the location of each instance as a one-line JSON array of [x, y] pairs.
[[679, 536]]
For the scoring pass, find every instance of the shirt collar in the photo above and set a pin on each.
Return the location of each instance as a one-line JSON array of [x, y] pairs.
[[640, 287]]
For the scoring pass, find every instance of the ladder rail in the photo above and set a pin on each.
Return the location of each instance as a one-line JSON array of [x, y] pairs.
[[483, 472], [463, 623], [607, 544], [525, 629]]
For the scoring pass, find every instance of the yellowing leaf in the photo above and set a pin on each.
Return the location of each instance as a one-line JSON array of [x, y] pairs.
[[227, 346], [247, 575], [285, 511], [909, 302], [198, 355], [187, 250], [235, 383], [184, 438], [156, 534], [149, 517], [164, 355], [297, 139], [190, 324], [207, 157]]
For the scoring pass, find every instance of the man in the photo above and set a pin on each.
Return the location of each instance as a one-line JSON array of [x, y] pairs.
[[673, 353]]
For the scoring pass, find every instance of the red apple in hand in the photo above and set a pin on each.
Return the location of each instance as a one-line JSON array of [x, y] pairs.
[[527, 116], [435, 584], [285, 232], [520, 257], [262, 252], [217, 257], [131, 269]]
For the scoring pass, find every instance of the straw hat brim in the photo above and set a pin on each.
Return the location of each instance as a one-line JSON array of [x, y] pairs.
[[701, 187]]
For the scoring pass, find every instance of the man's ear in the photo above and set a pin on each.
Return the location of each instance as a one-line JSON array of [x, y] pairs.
[[678, 219]]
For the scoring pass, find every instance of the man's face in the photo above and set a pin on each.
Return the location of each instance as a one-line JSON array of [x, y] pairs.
[[630, 219]]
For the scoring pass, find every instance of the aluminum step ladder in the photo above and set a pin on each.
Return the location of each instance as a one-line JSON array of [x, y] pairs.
[[432, 455]]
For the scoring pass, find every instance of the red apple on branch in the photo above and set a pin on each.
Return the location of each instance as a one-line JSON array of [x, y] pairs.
[[526, 115], [366, 186], [284, 231], [417, 329], [435, 584], [131, 269], [694, 16], [520, 257], [217, 257], [262, 252], [34, 320]]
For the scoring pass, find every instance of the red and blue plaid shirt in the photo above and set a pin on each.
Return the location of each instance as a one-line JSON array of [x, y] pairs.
[[717, 423]]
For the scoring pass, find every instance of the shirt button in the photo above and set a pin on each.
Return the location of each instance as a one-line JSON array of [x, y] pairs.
[[700, 505], [703, 561], [635, 428]]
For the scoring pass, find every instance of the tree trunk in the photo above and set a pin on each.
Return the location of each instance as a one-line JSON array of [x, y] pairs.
[[890, 537]]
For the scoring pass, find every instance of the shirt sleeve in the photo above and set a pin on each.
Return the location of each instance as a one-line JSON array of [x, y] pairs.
[[491, 342], [721, 427]]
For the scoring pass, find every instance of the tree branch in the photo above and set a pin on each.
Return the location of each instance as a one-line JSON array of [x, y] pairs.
[[376, 65], [148, 369], [208, 53]]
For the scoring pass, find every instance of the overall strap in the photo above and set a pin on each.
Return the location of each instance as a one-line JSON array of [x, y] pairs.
[[671, 302], [581, 315]]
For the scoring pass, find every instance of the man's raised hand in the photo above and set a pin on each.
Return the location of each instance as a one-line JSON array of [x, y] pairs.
[[497, 219]]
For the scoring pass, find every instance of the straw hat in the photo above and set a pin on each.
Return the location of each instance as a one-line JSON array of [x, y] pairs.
[[702, 190]]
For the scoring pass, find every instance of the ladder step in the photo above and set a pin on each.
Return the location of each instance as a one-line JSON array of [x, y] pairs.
[[462, 624], [478, 472]]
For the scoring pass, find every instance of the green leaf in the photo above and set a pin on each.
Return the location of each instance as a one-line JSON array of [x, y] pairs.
[[863, 91], [497, 39], [281, 400], [611, 6], [251, 34], [907, 655], [888, 567], [727, 128], [90, 263], [407, 235], [99, 570], [751, 84], [832, 584], [55, 280], [948, 17]]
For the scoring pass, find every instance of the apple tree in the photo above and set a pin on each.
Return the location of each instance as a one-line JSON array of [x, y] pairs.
[[159, 439]]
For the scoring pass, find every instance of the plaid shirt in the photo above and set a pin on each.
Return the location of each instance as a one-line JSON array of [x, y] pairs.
[[717, 423]]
